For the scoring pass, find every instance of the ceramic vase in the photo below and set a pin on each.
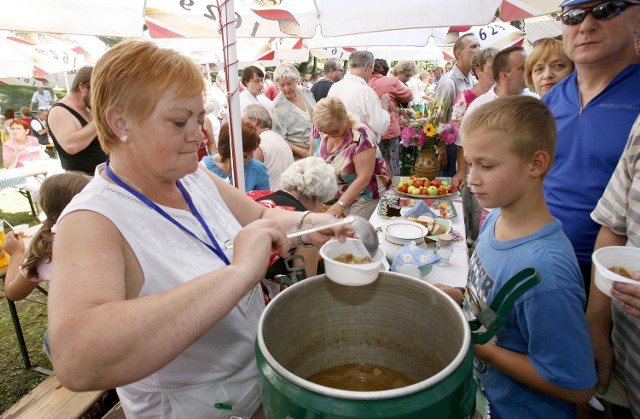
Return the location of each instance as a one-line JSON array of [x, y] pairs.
[[427, 164]]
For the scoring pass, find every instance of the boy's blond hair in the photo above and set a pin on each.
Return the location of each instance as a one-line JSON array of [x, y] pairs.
[[527, 122]]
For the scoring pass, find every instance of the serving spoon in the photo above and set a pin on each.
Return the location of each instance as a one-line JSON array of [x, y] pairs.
[[363, 228]]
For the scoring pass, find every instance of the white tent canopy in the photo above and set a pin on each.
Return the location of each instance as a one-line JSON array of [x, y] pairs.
[[293, 18], [14, 63]]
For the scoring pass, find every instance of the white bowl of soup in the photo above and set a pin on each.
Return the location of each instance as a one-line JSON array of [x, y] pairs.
[[615, 264], [349, 263]]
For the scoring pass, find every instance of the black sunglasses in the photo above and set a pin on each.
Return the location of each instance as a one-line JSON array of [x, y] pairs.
[[602, 11]]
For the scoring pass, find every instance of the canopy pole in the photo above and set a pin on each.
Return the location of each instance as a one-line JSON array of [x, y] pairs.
[[227, 19]]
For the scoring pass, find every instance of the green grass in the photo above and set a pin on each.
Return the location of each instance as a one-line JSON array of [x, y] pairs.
[[15, 380]]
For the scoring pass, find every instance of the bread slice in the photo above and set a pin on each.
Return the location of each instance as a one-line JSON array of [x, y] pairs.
[[437, 229], [427, 221]]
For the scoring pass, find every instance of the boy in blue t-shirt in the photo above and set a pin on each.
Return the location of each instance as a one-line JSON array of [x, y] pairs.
[[540, 363]]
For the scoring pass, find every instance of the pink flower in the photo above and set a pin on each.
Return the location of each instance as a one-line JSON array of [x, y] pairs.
[[421, 139], [406, 135], [450, 133]]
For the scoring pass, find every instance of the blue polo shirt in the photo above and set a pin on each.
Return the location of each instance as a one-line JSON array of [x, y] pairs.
[[590, 143]]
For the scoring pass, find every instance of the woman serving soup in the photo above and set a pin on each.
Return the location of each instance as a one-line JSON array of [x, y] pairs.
[[144, 296]]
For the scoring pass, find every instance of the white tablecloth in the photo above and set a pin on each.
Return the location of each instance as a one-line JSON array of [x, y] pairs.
[[455, 274]]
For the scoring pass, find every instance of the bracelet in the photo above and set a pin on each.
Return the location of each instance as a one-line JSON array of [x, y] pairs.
[[299, 225], [342, 204], [301, 219]]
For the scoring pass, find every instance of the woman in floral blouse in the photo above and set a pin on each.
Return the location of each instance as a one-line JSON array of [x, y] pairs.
[[343, 141], [292, 110]]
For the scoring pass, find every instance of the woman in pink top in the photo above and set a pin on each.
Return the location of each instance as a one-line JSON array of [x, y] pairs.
[[22, 147], [398, 93]]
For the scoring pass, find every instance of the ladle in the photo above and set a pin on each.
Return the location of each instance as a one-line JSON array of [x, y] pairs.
[[363, 228]]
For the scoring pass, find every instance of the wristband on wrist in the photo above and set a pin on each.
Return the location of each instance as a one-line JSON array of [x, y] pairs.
[[342, 204]]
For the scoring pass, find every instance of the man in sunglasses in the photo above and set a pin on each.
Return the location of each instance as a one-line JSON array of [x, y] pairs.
[[595, 108]]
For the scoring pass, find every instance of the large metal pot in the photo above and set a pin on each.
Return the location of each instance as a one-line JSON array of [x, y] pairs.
[[396, 322]]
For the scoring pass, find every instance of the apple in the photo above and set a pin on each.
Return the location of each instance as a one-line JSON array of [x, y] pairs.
[[444, 183], [442, 190], [418, 183], [409, 182], [404, 189], [452, 189], [415, 177], [436, 183], [424, 192], [432, 190]]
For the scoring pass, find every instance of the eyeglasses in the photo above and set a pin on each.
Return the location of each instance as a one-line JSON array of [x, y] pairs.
[[602, 11]]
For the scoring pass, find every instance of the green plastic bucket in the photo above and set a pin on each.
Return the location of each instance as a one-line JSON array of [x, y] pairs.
[[396, 322]]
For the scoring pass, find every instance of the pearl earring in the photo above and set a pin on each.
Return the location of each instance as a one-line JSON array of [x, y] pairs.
[[124, 138]]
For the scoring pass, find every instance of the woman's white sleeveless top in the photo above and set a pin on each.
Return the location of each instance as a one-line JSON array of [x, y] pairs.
[[220, 366]]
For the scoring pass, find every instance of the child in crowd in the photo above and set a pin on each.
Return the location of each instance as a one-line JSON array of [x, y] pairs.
[[540, 363], [25, 271]]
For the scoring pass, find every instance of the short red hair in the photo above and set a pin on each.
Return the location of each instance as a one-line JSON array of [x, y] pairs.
[[21, 123]]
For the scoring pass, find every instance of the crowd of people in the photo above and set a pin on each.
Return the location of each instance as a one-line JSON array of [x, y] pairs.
[[545, 160]]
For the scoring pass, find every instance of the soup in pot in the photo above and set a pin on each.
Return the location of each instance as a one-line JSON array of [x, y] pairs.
[[361, 377]]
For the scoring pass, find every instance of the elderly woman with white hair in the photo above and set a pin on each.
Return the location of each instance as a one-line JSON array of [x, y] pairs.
[[292, 109], [305, 186]]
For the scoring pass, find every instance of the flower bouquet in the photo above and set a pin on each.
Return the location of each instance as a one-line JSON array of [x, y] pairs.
[[428, 130], [421, 134]]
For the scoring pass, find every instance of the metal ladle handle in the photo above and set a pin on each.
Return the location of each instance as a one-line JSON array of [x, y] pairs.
[[347, 220]]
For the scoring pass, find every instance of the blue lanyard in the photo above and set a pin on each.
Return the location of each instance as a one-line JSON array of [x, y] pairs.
[[215, 248]]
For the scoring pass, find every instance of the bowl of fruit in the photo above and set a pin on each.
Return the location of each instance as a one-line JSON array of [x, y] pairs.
[[421, 187]]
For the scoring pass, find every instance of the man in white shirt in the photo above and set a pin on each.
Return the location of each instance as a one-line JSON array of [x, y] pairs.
[[217, 98], [273, 150], [41, 99], [360, 99], [253, 94], [508, 72], [39, 126]]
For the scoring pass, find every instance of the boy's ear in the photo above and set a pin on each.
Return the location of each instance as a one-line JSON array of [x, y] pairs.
[[539, 163]]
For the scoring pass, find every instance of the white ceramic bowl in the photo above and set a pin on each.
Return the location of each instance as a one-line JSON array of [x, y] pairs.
[[390, 248], [401, 231], [350, 274], [608, 257]]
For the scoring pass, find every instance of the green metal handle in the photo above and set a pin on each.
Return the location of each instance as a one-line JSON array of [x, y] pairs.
[[492, 318]]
